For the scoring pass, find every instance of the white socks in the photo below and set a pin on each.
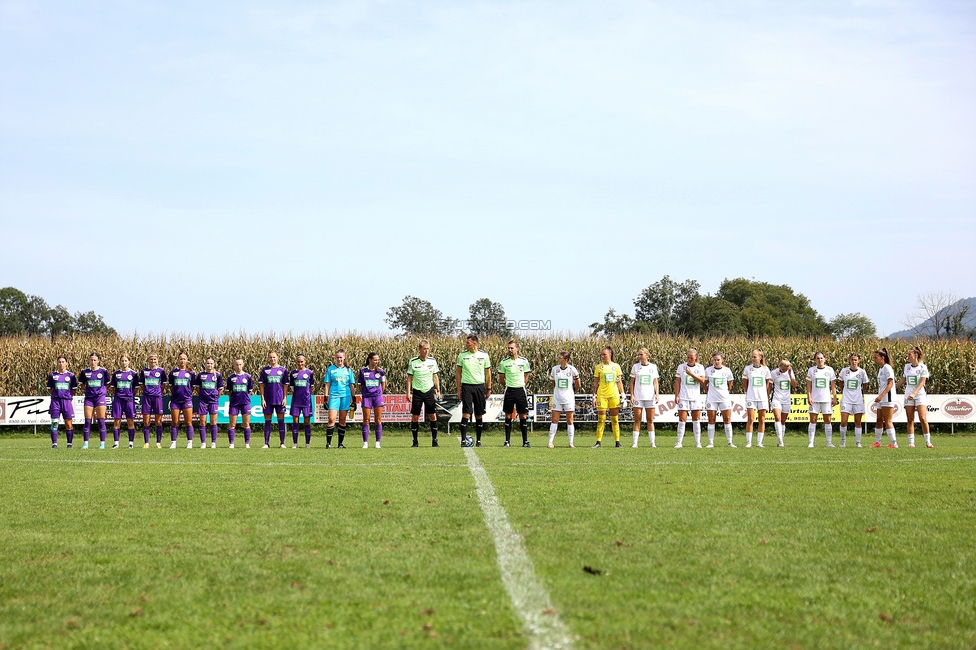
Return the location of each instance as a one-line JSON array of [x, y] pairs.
[[911, 439], [696, 428], [552, 432], [636, 437], [759, 437], [650, 435], [681, 432], [811, 432], [748, 438], [728, 433], [877, 435], [711, 434], [780, 431], [857, 434], [928, 438], [829, 433], [571, 430], [843, 435], [891, 436]]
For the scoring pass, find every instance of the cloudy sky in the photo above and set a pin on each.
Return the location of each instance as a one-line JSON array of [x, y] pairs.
[[206, 167]]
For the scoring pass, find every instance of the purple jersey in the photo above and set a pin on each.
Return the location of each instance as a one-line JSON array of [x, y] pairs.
[[240, 386], [96, 383], [61, 384], [274, 380], [124, 382], [371, 382], [210, 384], [152, 380], [181, 383], [301, 387]]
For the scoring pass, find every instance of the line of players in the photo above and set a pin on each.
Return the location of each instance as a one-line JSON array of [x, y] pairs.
[[764, 390]]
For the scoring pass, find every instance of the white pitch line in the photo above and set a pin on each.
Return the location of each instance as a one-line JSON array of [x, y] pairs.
[[108, 461], [529, 598]]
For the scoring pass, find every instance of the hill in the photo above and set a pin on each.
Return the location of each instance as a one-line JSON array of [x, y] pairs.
[[927, 327]]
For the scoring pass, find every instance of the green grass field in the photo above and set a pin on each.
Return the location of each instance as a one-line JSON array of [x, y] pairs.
[[723, 548]]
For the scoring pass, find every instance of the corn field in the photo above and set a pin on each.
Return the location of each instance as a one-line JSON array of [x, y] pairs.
[[25, 362]]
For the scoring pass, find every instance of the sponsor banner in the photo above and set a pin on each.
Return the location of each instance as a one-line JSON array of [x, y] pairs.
[[942, 409]]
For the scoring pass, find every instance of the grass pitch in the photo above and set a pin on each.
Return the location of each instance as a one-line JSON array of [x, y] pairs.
[[388, 548]]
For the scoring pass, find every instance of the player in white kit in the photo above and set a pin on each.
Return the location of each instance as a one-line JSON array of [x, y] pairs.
[[565, 383], [756, 380], [913, 379], [688, 381], [821, 396], [719, 379], [852, 379], [645, 390], [783, 383], [884, 403]]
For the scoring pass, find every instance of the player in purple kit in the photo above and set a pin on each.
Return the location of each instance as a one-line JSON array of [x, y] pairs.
[[372, 382], [95, 379], [240, 386], [209, 385], [124, 382], [152, 378], [62, 384], [271, 387], [301, 380], [181, 400]]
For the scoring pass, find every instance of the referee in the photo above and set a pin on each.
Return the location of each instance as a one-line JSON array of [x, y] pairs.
[[423, 387], [514, 371], [473, 380]]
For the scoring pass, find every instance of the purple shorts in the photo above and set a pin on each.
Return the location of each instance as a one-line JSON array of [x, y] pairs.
[[275, 408], [62, 406], [123, 407], [205, 408], [152, 404], [372, 402], [95, 401], [240, 409], [180, 405], [300, 410]]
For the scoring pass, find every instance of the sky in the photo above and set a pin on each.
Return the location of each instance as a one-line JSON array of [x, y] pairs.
[[287, 166]]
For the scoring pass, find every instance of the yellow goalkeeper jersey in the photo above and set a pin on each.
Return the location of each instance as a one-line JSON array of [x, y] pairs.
[[608, 373]]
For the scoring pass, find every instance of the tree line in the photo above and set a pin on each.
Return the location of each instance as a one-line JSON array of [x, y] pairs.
[[23, 314]]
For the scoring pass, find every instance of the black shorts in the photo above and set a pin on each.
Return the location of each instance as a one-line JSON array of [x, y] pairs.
[[516, 398], [423, 400], [473, 398]]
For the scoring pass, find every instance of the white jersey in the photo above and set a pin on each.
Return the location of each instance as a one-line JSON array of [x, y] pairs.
[[689, 389], [913, 377], [818, 379], [757, 376], [564, 391], [884, 374], [719, 380], [854, 382], [782, 385], [644, 377]]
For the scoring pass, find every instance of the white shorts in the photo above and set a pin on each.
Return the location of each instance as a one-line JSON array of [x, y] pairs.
[[689, 405], [644, 403], [823, 408], [783, 405], [718, 406], [884, 405], [918, 401], [758, 405], [562, 406], [852, 408]]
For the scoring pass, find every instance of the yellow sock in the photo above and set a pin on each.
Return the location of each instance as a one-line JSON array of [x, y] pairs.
[[601, 423], [615, 424]]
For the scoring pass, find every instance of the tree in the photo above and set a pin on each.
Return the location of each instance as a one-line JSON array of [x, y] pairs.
[[13, 306], [614, 323], [90, 323], [664, 305], [714, 316], [772, 309], [487, 318], [853, 325], [24, 314], [939, 314], [418, 317]]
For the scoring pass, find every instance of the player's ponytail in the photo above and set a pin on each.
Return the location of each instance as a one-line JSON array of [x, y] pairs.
[[883, 353], [917, 351]]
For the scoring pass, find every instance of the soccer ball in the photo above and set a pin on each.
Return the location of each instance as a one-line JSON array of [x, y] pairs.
[[467, 441]]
